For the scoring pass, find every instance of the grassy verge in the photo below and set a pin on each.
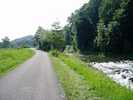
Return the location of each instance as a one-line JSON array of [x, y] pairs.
[[103, 86], [97, 82], [10, 58], [75, 87]]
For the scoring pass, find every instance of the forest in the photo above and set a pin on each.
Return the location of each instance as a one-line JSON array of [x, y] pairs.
[[98, 26]]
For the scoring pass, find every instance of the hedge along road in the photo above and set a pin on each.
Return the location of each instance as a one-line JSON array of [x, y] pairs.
[[33, 80]]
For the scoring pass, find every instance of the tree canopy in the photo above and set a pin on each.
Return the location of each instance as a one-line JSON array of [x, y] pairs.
[[99, 25], [102, 25], [50, 39]]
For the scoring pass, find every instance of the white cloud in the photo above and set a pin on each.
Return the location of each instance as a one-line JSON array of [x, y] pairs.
[[22, 17]]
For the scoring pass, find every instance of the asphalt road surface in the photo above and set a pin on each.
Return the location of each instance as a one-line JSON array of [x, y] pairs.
[[33, 80]]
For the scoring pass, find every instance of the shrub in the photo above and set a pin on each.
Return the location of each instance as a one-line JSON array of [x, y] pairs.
[[55, 52]]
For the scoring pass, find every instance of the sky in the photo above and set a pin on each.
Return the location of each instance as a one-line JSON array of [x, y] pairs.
[[19, 18]]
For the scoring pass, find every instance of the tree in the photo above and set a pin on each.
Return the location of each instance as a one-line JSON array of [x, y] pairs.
[[6, 42], [115, 37], [50, 39], [38, 37], [111, 12], [126, 26], [104, 25], [83, 25], [0, 44], [57, 38], [102, 39], [67, 34]]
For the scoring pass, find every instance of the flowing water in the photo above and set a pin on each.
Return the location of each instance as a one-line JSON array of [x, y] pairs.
[[121, 72]]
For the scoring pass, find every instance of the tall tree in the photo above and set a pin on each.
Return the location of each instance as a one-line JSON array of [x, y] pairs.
[[83, 24], [67, 34], [126, 26], [6, 42], [57, 37], [38, 37], [50, 39]]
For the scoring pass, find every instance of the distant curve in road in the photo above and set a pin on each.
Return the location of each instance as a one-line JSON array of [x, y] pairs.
[[33, 80]]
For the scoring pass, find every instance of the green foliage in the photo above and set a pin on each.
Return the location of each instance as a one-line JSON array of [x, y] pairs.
[[126, 26], [67, 34], [10, 58], [109, 33], [102, 39], [83, 26], [0, 44], [38, 37], [57, 40], [5, 43], [54, 53], [102, 25], [50, 39], [97, 81], [99, 25], [107, 9], [115, 35]]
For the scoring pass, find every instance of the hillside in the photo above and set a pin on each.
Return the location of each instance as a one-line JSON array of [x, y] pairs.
[[26, 41]]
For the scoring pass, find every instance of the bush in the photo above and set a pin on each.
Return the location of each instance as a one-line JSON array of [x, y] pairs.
[[54, 53]]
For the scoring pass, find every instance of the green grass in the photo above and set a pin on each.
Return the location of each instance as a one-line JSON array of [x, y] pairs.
[[10, 58], [97, 81], [75, 87]]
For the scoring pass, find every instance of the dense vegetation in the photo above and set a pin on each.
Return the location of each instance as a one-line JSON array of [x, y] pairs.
[[81, 82], [10, 58], [103, 25], [5, 43], [99, 25], [50, 39]]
